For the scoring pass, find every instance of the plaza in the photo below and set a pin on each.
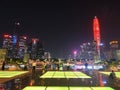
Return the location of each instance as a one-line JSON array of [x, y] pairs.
[[61, 80]]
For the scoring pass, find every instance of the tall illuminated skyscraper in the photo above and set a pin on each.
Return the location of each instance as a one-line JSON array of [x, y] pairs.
[[97, 39]]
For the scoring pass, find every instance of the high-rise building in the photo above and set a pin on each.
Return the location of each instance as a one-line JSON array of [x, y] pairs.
[[97, 39], [114, 49], [14, 46], [22, 46], [34, 45], [7, 44], [7, 41], [40, 51], [114, 45], [96, 30], [36, 49], [87, 51]]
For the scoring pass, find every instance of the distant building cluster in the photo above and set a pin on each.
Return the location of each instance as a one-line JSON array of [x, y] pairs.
[[18, 46], [88, 51]]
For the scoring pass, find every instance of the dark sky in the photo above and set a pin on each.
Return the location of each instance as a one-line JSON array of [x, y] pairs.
[[61, 25]]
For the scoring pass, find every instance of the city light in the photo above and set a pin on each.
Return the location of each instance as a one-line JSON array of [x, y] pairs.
[[6, 35], [34, 40], [24, 37], [75, 52], [101, 44]]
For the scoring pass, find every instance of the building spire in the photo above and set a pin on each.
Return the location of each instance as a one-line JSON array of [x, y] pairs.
[[95, 16]]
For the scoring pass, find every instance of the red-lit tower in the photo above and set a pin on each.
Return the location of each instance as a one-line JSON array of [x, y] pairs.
[[96, 30]]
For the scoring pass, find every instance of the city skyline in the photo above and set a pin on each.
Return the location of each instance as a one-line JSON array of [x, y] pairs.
[[61, 26]]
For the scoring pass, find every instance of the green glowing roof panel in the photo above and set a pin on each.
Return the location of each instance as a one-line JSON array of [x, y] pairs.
[[9, 74], [80, 88], [57, 88], [34, 88], [102, 88]]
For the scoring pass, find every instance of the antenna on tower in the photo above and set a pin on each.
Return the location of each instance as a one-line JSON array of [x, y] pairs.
[[95, 16]]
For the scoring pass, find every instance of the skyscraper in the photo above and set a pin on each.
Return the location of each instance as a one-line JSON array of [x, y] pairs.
[[22, 46], [96, 31], [7, 44]]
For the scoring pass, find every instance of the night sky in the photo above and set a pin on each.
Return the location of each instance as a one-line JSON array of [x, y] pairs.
[[62, 26]]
